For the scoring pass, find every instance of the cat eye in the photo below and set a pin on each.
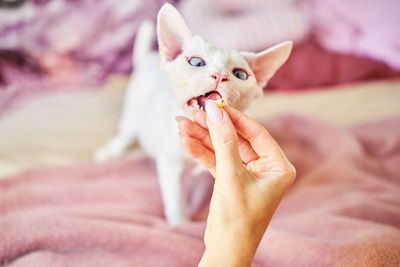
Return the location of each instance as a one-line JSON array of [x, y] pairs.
[[196, 62], [241, 74]]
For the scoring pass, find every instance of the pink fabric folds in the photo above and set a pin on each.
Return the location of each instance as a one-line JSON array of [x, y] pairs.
[[310, 67], [343, 210], [357, 27]]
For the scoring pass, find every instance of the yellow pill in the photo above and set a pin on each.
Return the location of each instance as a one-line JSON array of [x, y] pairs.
[[220, 103]]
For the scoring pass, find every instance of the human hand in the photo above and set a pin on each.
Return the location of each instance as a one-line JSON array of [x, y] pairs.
[[251, 176]]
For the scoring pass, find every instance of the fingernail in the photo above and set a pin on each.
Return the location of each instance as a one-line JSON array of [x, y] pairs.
[[213, 111], [179, 118]]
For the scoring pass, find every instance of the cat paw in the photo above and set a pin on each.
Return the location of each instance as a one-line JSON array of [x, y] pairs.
[[175, 221], [104, 154]]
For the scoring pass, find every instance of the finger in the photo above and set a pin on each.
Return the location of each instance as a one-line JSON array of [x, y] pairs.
[[259, 138], [200, 118], [246, 151], [199, 152], [196, 131], [224, 139]]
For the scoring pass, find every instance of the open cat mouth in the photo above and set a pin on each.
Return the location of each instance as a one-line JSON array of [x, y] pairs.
[[199, 102]]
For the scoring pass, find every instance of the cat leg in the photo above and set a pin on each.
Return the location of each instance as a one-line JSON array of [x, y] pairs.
[[114, 148], [169, 175], [197, 170]]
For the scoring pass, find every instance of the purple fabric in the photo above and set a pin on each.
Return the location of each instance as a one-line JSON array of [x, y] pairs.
[[70, 43], [97, 35]]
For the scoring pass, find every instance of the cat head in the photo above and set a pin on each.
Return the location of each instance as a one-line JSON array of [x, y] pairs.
[[199, 71]]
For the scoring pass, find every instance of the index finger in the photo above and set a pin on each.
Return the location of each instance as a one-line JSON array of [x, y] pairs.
[[246, 151], [259, 138]]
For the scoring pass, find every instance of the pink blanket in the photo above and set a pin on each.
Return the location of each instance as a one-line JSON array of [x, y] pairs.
[[343, 210]]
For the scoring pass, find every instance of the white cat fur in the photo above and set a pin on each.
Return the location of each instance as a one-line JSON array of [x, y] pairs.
[[151, 103]]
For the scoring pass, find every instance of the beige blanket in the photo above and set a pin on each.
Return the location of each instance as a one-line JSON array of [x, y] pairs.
[[67, 127]]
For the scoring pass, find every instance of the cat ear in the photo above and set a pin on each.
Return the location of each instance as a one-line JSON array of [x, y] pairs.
[[172, 32], [267, 62]]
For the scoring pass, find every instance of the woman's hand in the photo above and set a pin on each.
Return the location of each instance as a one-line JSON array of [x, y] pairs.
[[251, 175]]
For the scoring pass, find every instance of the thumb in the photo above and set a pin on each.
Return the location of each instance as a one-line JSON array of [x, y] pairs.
[[224, 138]]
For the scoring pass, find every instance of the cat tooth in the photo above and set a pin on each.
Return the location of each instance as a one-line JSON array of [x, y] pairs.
[[193, 103]]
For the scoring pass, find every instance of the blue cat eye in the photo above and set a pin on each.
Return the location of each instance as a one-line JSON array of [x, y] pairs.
[[241, 74], [196, 62]]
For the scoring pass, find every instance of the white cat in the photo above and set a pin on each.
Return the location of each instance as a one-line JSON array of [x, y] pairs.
[[193, 72]]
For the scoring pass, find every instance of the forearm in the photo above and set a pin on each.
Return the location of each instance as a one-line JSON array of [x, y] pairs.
[[231, 247]]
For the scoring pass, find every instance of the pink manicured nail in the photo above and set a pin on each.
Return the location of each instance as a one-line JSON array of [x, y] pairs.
[[213, 111]]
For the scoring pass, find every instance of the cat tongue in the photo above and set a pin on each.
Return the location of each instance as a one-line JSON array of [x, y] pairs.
[[211, 96]]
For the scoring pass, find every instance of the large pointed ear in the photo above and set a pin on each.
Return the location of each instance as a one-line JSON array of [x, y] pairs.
[[172, 32], [267, 62]]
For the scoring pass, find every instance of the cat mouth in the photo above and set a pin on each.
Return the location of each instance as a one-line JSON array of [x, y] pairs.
[[199, 102]]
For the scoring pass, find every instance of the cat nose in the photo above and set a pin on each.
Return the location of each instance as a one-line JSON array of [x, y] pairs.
[[219, 77]]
